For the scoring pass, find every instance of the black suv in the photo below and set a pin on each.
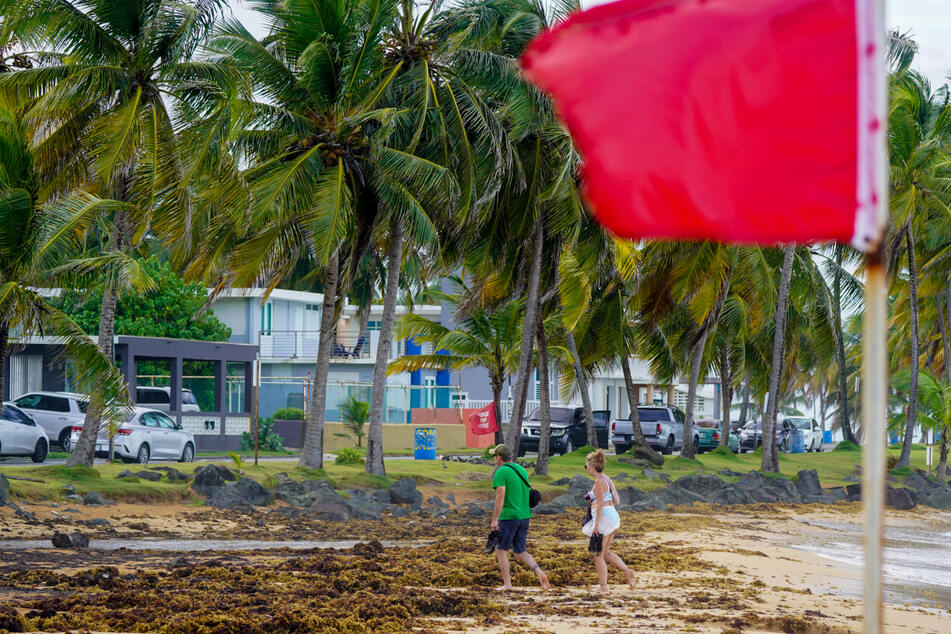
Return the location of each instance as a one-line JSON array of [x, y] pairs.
[[568, 430]]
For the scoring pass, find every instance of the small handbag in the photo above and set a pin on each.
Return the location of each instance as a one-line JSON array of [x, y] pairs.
[[594, 544]]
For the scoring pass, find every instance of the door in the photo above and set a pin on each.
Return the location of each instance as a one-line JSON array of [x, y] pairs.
[[21, 440], [266, 339], [154, 435], [37, 406], [172, 441], [579, 429]]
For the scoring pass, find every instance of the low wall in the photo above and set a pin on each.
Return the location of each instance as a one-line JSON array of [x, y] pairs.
[[395, 435]]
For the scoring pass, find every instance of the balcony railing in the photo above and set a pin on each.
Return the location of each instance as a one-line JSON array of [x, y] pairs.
[[302, 344]]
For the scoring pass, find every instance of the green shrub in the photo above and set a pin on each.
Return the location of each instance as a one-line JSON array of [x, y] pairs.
[[289, 413], [902, 471], [845, 445], [723, 452], [355, 414], [267, 439], [348, 455]]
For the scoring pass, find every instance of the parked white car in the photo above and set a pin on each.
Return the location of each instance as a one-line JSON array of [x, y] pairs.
[[146, 435], [56, 412], [160, 398], [20, 435], [811, 432]]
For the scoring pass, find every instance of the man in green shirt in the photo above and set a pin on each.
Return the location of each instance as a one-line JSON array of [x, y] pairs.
[[511, 514]]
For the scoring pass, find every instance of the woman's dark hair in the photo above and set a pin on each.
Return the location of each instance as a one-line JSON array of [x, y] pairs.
[[596, 458]]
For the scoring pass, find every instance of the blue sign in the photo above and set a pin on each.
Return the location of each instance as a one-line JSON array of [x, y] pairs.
[[424, 446]]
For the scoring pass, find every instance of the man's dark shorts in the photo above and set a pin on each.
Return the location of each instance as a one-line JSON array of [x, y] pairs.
[[512, 535]]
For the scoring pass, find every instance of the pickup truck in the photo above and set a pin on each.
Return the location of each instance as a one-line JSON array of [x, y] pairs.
[[662, 425], [568, 430]]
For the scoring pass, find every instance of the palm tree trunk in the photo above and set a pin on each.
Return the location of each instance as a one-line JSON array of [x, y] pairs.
[[839, 339], [745, 407], [497, 384], [582, 387], [374, 462], [947, 345], [770, 461], [726, 390], [4, 348], [696, 360], [905, 457], [544, 432], [312, 454], [942, 471], [528, 338], [642, 449], [84, 453]]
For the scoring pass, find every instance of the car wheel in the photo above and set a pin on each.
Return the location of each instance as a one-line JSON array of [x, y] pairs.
[[142, 457], [39, 453], [669, 447], [569, 446], [188, 454], [64, 439]]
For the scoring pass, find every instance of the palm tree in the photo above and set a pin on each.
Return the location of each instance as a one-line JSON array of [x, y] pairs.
[[325, 154], [482, 339], [935, 398], [33, 240], [770, 462]]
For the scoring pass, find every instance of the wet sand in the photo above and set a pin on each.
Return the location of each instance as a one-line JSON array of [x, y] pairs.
[[698, 570]]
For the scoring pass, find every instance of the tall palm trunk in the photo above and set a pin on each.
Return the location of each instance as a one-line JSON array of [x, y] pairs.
[[374, 462], [942, 471], [641, 448], [726, 391], [544, 432], [905, 457], [312, 454], [770, 461], [583, 388], [4, 343], [528, 330], [497, 384], [839, 339]]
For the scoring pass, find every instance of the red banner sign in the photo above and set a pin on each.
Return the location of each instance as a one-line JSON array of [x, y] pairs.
[[482, 421]]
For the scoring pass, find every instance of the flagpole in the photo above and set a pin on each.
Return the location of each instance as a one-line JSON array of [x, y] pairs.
[[874, 357]]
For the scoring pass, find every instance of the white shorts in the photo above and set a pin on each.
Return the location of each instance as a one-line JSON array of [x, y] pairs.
[[609, 522]]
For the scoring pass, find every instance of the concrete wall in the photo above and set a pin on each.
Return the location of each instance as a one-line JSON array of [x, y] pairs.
[[395, 436]]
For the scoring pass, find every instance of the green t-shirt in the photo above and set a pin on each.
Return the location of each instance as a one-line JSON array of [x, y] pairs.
[[515, 506]]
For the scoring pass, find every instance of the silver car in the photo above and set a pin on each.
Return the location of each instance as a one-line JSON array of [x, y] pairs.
[[56, 412], [160, 398], [146, 435], [20, 435]]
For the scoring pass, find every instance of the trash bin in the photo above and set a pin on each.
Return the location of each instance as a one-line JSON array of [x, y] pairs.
[[424, 445], [826, 437], [797, 442]]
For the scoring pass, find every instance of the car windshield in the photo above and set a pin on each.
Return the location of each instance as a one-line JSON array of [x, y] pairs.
[[558, 415], [800, 423], [652, 414]]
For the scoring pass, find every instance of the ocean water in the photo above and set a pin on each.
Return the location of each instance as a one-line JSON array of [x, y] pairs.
[[917, 561]]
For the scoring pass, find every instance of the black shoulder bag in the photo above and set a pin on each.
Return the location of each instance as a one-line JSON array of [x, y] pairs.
[[534, 497]]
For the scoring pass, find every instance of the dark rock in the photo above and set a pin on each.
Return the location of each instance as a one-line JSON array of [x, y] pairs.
[[451, 498], [72, 497], [630, 495], [125, 473], [701, 485], [851, 478], [291, 491], [807, 483], [330, 512], [97, 521], [381, 495], [363, 507], [404, 491], [69, 510], [637, 462], [400, 511], [729, 496], [763, 489], [650, 503], [173, 475], [226, 474], [568, 500], [650, 474], [853, 492], [920, 483], [151, 476], [729, 473], [321, 492], [94, 498], [899, 499], [207, 480], [560, 482], [4, 489], [75, 540], [676, 496], [27, 515], [580, 483], [228, 497], [939, 499], [477, 511], [253, 492], [546, 509]]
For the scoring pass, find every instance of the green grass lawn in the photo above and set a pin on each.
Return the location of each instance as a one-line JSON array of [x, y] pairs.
[[832, 468]]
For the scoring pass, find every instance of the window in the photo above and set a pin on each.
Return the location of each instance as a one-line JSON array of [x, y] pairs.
[[31, 401], [55, 404], [82, 406], [148, 396], [374, 325], [188, 398], [163, 421], [148, 420], [14, 415], [266, 318]]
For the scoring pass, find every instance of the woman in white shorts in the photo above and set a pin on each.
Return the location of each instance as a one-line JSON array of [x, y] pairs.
[[604, 519]]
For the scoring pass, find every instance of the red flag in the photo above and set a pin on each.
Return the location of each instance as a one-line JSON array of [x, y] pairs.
[[749, 121], [482, 421]]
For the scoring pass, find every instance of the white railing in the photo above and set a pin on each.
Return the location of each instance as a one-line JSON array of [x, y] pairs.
[[506, 406]]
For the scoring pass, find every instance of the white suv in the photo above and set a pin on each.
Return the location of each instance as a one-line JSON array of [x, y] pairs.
[[160, 398], [55, 412]]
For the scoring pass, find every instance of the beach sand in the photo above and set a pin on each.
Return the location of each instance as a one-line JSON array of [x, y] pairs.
[[698, 570]]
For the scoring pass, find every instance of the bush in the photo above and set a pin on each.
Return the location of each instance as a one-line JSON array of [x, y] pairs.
[[355, 414], [723, 452], [289, 413], [845, 445], [267, 439], [890, 462], [348, 455]]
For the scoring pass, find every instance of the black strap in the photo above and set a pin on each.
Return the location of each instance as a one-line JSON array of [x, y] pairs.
[[521, 477]]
